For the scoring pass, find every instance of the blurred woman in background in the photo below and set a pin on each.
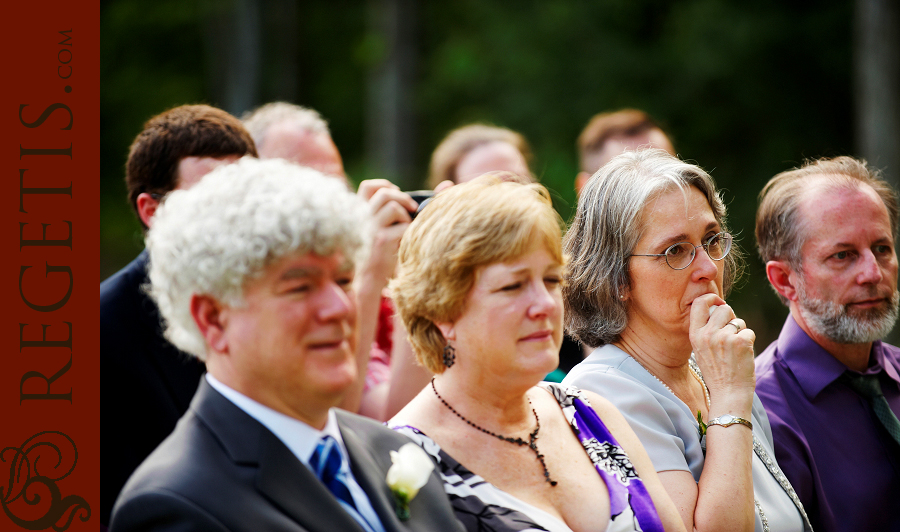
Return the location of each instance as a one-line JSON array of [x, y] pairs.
[[475, 149]]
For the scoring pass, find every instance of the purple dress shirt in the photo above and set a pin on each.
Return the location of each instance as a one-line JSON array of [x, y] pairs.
[[841, 461]]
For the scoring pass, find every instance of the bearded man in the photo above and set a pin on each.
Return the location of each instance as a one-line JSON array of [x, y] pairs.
[[829, 384]]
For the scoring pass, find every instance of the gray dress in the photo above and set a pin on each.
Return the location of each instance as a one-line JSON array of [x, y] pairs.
[[670, 432]]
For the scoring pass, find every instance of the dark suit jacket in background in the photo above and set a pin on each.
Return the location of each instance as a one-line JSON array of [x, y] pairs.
[[223, 470], [146, 383]]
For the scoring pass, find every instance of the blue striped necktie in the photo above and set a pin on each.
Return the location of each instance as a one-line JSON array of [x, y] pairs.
[[326, 463]]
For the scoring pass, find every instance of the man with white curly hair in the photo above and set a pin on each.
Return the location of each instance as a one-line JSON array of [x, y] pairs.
[[298, 134], [253, 272]]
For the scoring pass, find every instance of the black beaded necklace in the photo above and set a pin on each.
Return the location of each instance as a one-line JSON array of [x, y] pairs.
[[532, 438]]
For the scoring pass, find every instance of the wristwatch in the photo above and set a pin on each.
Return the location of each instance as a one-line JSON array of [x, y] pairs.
[[727, 420]]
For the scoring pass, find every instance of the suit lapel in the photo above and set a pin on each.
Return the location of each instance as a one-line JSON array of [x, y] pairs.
[[371, 476], [296, 490], [281, 477]]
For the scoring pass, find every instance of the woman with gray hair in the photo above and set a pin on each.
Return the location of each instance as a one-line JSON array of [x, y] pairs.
[[651, 261]]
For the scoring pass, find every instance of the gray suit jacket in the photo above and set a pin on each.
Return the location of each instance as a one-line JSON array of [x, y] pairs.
[[223, 470]]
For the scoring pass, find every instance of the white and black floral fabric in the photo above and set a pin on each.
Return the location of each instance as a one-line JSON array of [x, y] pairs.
[[482, 507]]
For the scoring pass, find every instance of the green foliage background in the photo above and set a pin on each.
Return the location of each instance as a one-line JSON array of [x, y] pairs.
[[745, 89]]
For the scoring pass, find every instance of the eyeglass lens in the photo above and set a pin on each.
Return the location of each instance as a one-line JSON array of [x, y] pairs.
[[681, 255]]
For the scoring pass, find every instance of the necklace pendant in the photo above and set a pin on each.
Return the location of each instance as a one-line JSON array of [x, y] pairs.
[[532, 443]]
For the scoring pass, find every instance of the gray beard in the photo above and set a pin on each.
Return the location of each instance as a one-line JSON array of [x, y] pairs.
[[833, 321]]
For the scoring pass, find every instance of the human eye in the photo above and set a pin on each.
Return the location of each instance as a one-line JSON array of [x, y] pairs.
[[553, 280], [300, 287], [842, 255], [883, 249], [345, 282], [676, 250], [511, 286]]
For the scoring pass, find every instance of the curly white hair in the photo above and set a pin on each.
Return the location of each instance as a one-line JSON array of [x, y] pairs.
[[216, 236]]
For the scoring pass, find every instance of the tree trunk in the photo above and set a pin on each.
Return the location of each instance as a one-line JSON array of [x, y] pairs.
[[233, 44], [877, 90], [389, 105], [282, 29]]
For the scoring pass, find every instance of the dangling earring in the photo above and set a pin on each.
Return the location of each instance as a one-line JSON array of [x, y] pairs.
[[449, 355]]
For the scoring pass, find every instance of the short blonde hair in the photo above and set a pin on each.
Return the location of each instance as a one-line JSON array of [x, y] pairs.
[[469, 226], [461, 141]]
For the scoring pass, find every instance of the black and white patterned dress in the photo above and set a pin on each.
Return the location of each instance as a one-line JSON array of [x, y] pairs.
[[482, 507]]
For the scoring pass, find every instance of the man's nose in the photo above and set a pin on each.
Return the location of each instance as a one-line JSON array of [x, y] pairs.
[[335, 303], [870, 270]]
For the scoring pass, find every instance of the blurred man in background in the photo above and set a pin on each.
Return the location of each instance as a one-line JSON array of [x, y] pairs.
[[609, 134], [830, 385], [146, 383], [297, 134], [300, 135]]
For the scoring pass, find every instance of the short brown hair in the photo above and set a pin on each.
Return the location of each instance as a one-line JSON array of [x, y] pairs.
[[779, 231], [461, 141], [169, 137], [482, 222], [603, 126]]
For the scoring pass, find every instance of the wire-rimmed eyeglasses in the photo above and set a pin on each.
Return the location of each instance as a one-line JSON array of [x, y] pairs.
[[681, 255]]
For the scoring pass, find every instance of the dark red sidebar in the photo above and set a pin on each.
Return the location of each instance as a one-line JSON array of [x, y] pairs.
[[49, 266]]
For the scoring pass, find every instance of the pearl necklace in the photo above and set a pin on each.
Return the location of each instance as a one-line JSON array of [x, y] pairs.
[[532, 438], [666, 386]]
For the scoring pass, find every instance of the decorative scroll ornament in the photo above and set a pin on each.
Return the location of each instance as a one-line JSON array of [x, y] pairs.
[[31, 497]]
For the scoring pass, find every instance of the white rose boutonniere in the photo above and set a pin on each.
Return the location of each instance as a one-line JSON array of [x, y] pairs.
[[411, 469]]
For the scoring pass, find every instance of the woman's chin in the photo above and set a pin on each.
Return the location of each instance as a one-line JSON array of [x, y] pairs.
[[541, 363]]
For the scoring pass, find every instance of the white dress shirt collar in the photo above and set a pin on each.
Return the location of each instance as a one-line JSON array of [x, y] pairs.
[[299, 437]]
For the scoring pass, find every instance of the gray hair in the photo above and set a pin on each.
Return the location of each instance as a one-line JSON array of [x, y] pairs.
[[262, 118], [608, 225], [223, 232]]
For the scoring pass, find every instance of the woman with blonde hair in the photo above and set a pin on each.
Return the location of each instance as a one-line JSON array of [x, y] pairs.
[[478, 289], [465, 153]]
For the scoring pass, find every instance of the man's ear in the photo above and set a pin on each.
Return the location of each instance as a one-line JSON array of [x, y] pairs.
[[782, 278], [146, 207], [209, 317], [581, 180]]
